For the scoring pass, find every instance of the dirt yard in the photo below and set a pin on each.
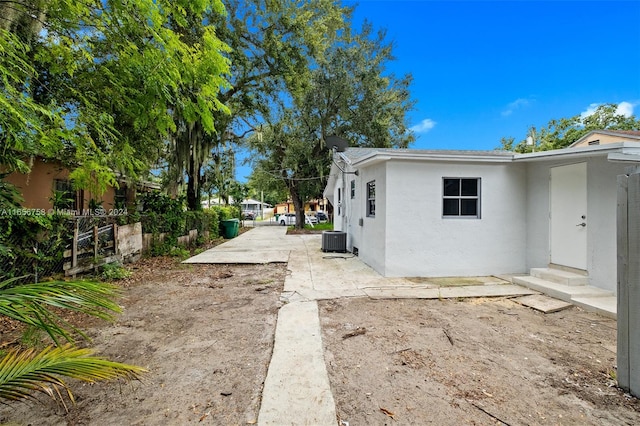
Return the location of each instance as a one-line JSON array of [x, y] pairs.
[[205, 333], [471, 362]]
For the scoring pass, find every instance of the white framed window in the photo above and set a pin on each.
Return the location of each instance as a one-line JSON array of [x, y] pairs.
[[353, 189], [461, 197], [371, 198]]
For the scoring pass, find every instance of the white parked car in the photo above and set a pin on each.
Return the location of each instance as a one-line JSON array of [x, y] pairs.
[[290, 219]]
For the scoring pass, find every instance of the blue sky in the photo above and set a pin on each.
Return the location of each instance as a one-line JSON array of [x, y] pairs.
[[486, 70]]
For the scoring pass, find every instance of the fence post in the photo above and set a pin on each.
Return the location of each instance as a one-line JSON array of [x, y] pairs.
[[95, 243], [628, 314], [74, 246], [115, 239]]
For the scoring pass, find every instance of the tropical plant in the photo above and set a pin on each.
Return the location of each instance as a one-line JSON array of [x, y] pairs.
[[25, 371]]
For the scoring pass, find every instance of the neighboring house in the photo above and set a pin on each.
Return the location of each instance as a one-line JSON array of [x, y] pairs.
[[248, 204], [253, 206], [603, 137], [411, 213], [49, 180], [309, 206]]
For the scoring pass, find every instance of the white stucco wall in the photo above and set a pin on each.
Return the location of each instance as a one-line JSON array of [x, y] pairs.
[[601, 217], [409, 237], [420, 242], [368, 234], [602, 222]]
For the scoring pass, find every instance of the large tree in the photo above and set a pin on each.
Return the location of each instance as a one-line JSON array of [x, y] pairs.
[[271, 44], [563, 132], [98, 83], [349, 94]]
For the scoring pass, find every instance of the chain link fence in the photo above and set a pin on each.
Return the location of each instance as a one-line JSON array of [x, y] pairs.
[[43, 247], [38, 247]]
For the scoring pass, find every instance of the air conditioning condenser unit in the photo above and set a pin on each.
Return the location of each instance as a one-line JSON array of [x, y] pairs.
[[334, 241]]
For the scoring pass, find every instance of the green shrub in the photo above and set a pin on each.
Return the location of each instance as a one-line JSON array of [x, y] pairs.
[[33, 245], [179, 252], [114, 271]]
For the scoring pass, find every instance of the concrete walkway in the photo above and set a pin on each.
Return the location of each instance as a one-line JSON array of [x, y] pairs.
[[297, 390]]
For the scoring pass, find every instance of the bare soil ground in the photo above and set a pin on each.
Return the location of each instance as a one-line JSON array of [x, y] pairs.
[[205, 333], [471, 362]]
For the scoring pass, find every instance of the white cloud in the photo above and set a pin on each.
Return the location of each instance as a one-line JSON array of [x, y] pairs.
[[518, 103], [624, 108], [590, 110], [424, 126]]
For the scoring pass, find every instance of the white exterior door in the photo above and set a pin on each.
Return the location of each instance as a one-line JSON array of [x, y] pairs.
[[568, 214]]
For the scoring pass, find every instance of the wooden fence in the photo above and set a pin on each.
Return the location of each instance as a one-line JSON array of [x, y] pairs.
[[96, 243]]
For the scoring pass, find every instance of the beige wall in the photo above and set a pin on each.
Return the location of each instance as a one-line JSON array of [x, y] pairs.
[[605, 139], [37, 187]]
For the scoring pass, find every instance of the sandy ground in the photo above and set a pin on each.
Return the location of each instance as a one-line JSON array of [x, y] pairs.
[[471, 362], [205, 333]]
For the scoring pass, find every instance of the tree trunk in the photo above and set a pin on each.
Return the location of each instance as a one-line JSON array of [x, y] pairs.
[[193, 187], [297, 205]]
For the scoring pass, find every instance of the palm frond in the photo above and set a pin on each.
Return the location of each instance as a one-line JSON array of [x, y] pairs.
[[32, 303], [23, 373]]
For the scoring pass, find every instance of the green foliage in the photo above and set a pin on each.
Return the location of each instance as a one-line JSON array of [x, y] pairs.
[[105, 99], [10, 196], [562, 133], [32, 243], [25, 371], [227, 212], [179, 252], [22, 373], [114, 271], [348, 93], [272, 46], [31, 337], [162, 214], [32, 304]]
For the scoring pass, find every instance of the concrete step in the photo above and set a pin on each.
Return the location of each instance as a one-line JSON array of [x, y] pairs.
[[559, 276], [606, 305], [589, 298]]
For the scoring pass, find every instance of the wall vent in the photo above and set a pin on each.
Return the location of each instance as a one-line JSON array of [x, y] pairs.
[[334, 241]]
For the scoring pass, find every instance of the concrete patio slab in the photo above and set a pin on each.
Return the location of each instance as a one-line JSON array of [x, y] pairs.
[[492, 290], [543, 303], [240, 256]]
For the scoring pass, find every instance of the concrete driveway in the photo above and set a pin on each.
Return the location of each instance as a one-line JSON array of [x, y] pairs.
[[297, 389]]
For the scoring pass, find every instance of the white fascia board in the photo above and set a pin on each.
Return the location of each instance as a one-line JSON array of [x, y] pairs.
[[581, 152], [619, 157], [331, 183], [462, 156]]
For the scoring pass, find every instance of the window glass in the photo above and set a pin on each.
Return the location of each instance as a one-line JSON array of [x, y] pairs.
[[371, 198], [450, 207], [451, 187], [469, 207], [469, 187], [461, 197]]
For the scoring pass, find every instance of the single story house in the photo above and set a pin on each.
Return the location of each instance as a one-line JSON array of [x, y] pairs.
[[309, 206], [48, 183], [435, 213], [254, 206]]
